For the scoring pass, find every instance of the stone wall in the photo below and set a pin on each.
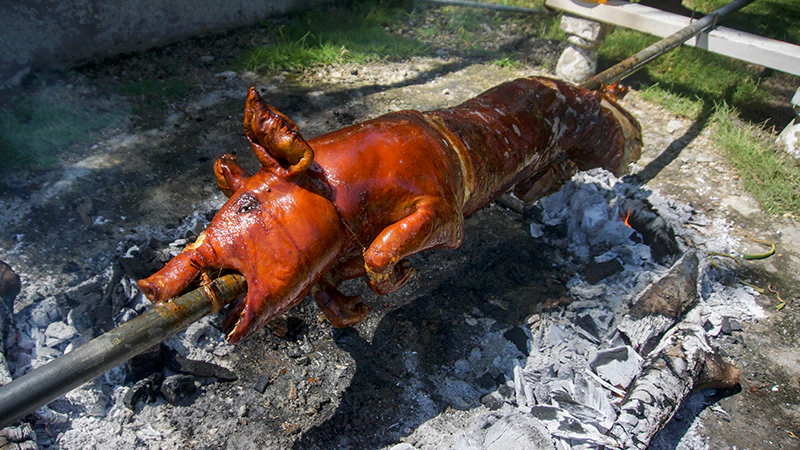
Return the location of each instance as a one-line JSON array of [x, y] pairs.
[[62, 34]]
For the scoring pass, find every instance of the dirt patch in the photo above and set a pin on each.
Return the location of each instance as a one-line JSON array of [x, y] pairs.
[[149, 177]]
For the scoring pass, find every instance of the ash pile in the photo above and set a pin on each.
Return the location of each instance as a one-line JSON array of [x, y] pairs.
[[610, 330]]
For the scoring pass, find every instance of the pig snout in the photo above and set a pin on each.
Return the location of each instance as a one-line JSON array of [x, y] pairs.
[[170, 281]]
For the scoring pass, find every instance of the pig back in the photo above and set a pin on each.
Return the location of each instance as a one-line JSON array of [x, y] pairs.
[[520, 128]]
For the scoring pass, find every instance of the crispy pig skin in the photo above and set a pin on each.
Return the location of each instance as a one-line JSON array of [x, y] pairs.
[[357, 201]]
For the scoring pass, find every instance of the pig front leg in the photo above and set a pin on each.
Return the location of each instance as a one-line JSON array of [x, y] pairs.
[[341, 310], [434, 223]]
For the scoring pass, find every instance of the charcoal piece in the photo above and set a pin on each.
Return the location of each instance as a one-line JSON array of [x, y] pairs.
[[20, 437], [519, 338], [545, 412], [203, 369], [144, 390], [655, 231], [262, 383], [286, 327], [587, 324], [492, 401], [486, 381], [505, 391], [597, 272], [147, 363], [71, 267], [618, 365], [10, 285], [114, 292], [293, 350], [729, 325], [57, 333], [6, 321], [145, 261], [177, 387], [44, 312], [500, 430]]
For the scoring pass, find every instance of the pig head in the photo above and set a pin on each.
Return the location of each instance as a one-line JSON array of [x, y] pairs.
[[277, 228]]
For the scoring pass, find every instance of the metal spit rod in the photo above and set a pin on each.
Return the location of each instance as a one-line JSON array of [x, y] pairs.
[[44, 384], [39, 387], [631, 64]]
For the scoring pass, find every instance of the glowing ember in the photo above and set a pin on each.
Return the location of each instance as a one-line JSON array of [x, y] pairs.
[[628, 216]]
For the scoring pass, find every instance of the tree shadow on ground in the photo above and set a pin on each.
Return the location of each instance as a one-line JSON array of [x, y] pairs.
[[673, 150]]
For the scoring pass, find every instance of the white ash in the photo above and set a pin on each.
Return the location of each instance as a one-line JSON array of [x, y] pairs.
[[201, 341], [51, 328]]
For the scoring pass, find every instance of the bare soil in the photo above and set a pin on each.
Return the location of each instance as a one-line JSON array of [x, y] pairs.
[[142, 178]]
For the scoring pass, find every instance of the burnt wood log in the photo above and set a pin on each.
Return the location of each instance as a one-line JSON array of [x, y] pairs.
[[684, 361], [662, 305], [676, 364]]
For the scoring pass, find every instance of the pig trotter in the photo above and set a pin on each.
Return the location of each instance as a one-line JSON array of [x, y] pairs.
[[391, 280], [341, 310]]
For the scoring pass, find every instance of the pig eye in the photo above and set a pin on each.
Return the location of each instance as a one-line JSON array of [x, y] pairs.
[[247, 203]]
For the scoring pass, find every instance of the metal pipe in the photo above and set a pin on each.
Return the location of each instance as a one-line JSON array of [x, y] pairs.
[[633, 63], [44, 384], [518, 9]]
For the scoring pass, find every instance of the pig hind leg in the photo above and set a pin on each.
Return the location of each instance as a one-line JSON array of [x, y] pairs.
[[434, 223], [545, 182], [341, 310]]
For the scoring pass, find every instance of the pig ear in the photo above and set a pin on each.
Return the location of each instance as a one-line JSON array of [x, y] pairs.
[[275, 139], [230, 175]]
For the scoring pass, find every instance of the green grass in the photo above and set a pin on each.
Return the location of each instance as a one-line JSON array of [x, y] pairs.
[[697, 74], [507, 62], [700, 85], [685, 71], [469, 25], [776, 19], [677, 104], [333, 35], [371, 31], [35, 131], [770, 175]]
